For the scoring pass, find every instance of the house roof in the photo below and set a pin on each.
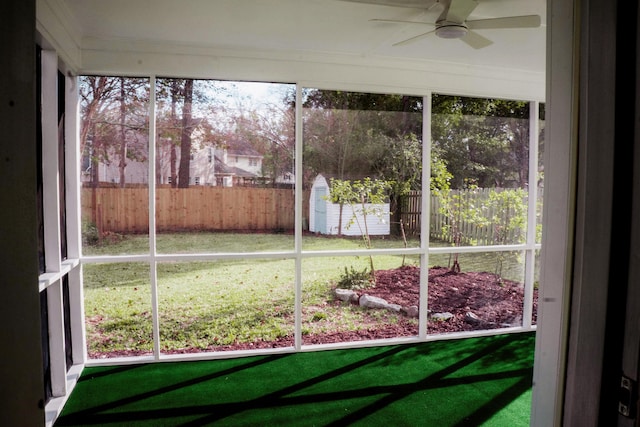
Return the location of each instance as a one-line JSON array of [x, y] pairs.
[[222, 169], [243, 173], [240, 147]]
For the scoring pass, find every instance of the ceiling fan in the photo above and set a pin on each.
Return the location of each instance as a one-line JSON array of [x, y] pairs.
[[452, 22]]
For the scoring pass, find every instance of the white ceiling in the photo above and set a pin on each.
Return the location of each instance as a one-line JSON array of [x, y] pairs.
[[333, 40], [310, 26]]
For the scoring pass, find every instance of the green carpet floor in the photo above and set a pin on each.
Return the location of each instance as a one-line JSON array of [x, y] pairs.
[[467, 382]]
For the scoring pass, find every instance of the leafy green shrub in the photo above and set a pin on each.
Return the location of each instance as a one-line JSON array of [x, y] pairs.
[[318, 316], [90, 233], [354, 279]]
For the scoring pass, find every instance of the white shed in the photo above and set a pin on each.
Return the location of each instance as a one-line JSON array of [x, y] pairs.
[[324, 216]]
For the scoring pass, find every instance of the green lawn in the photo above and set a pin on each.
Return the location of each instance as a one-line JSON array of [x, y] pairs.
[[207, 304], [208, 242]]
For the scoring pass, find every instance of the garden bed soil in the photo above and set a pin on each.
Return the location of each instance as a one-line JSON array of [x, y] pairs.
[[495, 303]]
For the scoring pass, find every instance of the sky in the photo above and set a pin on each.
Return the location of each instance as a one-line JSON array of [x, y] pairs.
[[255, 94]]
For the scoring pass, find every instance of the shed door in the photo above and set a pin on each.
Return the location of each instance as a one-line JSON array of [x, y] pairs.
[[321, 210]]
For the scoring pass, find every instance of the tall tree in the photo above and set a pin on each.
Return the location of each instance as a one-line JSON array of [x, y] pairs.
[[185, 136], [173, 158], [123, 133], [350, 135], [270, 129], [114, 122], [482, 140], [184, 106], [96, 96]]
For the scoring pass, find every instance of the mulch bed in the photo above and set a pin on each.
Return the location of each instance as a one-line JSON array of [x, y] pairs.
[[496, 302]]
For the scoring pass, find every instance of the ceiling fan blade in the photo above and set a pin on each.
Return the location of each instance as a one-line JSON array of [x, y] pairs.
[[416, 4], [475, 40], [526, 21], [414, 38], [459, 10], [399, 21]]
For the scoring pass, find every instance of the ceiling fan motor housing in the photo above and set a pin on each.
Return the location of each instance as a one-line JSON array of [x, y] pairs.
[[451, 30]]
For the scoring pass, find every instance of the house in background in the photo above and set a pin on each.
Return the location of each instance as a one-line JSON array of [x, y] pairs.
[[287, 178], [240, 164], [107, 168], [234, 164], [238, 153]]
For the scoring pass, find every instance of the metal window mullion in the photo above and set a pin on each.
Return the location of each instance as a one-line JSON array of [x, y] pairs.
[[426, 217], [72, 169], [532, 198], [74, 215], [153, 273], [298, 220], [152, 166]]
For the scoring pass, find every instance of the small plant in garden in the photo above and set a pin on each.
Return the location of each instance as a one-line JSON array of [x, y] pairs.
[[460, 208], [91, 236], [318, 316], [365, 197], [90, 233], [509, 208], [354, 279]]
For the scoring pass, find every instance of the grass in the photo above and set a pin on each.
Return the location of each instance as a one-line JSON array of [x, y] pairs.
[[217, 303], [206, 304], [209, 242]]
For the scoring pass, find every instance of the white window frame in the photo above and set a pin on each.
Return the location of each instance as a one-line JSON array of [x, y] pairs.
[[297, 254]]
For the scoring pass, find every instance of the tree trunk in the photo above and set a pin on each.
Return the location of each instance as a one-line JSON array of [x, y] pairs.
[[173, 159], [173, 156], [185, 138], [94, 182], [123, 137], [396, 227]]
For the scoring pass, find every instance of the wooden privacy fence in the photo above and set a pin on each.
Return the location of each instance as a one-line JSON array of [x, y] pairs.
[[126, 210], [480, 233]]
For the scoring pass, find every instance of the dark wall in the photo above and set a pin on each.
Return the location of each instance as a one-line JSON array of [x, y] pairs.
[[20, 361]]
